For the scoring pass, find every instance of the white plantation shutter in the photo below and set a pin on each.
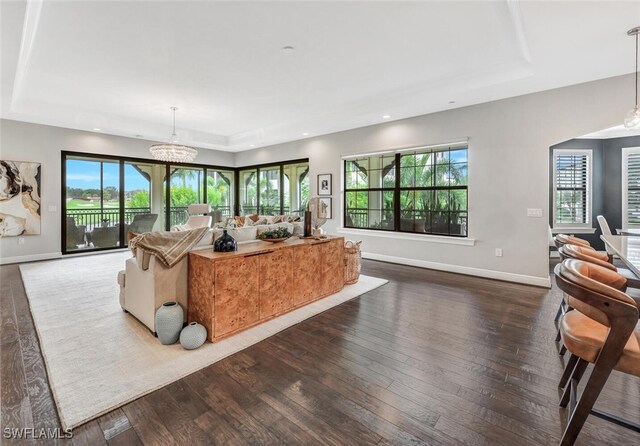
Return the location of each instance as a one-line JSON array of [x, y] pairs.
[[631, 187], [572, 194]]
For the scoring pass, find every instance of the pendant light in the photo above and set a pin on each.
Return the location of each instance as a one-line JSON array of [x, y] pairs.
[[632, 118], [172, 151]]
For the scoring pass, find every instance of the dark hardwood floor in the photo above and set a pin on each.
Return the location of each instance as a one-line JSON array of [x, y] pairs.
[[430, 358]]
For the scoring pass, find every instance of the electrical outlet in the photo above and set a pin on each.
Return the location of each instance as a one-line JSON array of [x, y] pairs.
[[20, 240], [498, 252]]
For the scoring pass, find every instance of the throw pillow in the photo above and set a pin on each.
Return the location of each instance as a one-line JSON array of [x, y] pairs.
[[269, 220], [248, 222], [239, 221], [254, 217], [262, 221]]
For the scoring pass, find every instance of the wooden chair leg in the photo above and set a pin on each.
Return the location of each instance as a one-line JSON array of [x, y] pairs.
[[568, 370], [576, 375], [590, 394], [559, 313], [563, 350]]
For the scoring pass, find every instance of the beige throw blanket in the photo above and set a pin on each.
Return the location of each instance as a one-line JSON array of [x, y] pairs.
[[168, 247]]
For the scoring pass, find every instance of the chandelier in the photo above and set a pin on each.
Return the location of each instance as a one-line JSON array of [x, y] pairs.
[[172, 151], [632, 118]]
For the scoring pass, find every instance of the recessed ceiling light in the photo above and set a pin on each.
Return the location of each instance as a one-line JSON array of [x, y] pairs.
[[138, 136], [452, 102], [386, 116], [96, 129], [305, 134], [287, 49], [252, 145]]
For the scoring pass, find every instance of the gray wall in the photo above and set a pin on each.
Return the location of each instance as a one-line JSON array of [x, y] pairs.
[[606, 180]]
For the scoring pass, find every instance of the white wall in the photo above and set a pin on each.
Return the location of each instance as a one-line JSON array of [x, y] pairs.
[[508, 172], [21, 141]]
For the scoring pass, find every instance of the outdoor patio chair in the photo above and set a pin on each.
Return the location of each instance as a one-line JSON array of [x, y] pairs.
[[75, 234], [141, 223]]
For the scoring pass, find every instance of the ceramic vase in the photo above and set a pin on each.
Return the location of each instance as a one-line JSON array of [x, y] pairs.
[[169, 318], [193, 336], [225, 243]]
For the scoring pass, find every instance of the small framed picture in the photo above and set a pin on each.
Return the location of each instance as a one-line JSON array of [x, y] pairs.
[[327, 201], [324, 184]]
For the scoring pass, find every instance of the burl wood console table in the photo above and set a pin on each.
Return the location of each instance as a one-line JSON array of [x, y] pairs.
[[230, 292]]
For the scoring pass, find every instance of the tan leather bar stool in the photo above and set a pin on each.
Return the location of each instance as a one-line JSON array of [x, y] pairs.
[[580, 252], [598, 258], [564, 239], [603, 331]]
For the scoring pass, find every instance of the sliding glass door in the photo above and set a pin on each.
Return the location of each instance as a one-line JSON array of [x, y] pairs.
[[92, 203], [187, 187], [143, 197], [220, 192], [109, 199]]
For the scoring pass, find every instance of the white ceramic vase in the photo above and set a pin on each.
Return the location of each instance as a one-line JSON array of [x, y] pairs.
[[169, 318]]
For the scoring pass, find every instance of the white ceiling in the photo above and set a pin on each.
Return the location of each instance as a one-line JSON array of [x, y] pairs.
[[118, 66], [618, 131]]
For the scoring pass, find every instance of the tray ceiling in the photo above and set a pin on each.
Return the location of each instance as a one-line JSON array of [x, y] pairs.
[[118, 66]]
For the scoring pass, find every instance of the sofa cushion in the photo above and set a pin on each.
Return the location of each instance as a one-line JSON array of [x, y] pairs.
[[264, 228], [246, 234], [298, 228]]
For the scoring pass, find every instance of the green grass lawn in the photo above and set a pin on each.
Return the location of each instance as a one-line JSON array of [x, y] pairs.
[[95, 204]]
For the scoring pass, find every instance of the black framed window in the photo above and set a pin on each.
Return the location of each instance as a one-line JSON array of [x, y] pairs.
[[419, 191], [267, 189]]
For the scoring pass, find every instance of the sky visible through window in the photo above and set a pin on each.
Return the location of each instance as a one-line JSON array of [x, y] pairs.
[[86, 175]]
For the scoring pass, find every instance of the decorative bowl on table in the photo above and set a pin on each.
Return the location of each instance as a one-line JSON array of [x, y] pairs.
[[275, 240], [275, 235]]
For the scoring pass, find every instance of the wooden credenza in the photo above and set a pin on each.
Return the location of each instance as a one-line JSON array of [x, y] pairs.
[[230, 292]]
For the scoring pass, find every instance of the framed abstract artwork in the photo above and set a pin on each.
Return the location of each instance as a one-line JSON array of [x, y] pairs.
[[19, 198]]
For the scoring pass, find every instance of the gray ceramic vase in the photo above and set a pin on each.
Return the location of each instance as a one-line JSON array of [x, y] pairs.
[[193, 336], [169, 318]]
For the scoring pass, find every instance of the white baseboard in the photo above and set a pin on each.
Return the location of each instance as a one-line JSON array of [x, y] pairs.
[[489, 274], [30, 258]]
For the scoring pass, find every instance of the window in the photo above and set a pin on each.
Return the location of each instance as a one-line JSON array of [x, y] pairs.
[[631, 187], [572, 188], [421, 190]]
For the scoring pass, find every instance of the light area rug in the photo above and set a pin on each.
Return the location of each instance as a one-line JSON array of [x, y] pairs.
[[99, 358]]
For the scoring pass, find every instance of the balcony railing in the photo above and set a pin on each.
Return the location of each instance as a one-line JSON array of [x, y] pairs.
[[270, 210], [92, 218]]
